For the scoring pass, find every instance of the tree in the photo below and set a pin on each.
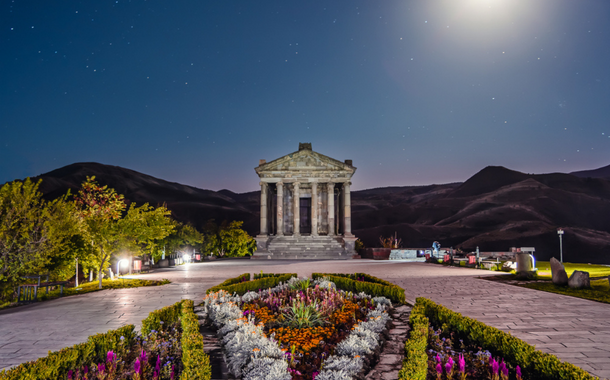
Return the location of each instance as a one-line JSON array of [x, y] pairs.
[[229, 239], [109, 229], [34, 234], [183, 235]]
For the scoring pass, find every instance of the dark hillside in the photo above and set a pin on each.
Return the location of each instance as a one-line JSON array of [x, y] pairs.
[[495, 209]]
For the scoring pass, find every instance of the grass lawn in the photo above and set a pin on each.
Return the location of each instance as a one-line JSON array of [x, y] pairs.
[[544, 269], [89, 287], [600, 290]]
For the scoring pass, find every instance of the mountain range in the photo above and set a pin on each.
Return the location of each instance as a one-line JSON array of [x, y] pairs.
[[495, 209]]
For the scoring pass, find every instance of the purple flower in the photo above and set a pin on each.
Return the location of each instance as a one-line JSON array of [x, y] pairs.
[[70, 375], [450, 361], [439, 369], [461, 363], [101, 367], [438, 358], [448, 367], [172, 374], [137, 366], [143, 356], [85, 370], [518, 373], [495, 367], [504, 370], [158, 365], [110, 357]]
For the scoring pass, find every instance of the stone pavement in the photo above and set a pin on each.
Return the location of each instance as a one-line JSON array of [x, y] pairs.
[[575, 330]]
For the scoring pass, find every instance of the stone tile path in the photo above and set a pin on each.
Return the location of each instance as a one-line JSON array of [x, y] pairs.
[[575, 330]]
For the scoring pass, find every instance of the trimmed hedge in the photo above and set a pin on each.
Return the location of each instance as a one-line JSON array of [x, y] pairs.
[[534, 364], [231, 281], [168, 315], [343, 281], [254, 285], [57, 364], [264, 275], [196, 362], [415, 364]]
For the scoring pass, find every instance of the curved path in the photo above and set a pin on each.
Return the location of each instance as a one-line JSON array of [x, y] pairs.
[[575, 330]]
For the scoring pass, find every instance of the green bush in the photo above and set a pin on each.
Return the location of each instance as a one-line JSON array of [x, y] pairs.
[[231, 281], [255, 285], [415, 364], [359, 277], [343, 281], [264, 275], [534, 364], [57, 364], [167, 315], [196, 362]]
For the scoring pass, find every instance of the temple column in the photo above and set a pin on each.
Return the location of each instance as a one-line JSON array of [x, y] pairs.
[[264, 187], [347, 210], [296, 196], [314, 209], [330, 188], [280, 209]]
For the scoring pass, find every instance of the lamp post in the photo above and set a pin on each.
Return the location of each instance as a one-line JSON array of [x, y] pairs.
[[560, 233]]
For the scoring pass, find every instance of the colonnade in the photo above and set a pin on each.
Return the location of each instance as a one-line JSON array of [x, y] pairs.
[[315, 207]]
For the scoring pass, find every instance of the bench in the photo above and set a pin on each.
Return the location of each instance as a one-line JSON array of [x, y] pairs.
[[29, 292]]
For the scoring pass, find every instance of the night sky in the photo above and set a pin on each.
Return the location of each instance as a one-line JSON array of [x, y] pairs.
[[414, 92]]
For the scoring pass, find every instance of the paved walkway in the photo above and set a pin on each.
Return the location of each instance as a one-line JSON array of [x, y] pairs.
[[575, 330]]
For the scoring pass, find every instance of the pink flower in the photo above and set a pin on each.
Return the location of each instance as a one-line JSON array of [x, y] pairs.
[[70, 375], [101, 367], [111, 356], [461, 363], [504, 370], [137, 366], [518, 373], [438, 358], [448, 367]]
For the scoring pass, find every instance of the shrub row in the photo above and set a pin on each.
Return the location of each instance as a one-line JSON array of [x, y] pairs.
[[167, 315], [196, 362], [361, 277], [57, 364], [393, 292], [534, 364], [264, 275], [231, 281], [415, 364], [254, 285]]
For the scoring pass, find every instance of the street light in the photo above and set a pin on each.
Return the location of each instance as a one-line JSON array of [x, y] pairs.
[[560, 233]]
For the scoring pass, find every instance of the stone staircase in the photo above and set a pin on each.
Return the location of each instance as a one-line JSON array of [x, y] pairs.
[[305, 248]]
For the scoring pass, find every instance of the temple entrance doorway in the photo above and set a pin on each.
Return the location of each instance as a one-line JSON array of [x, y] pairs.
[[305, 215]]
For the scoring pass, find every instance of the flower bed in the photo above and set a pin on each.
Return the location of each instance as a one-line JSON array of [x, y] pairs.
[[170, 347], [457, 351], [300, 329]]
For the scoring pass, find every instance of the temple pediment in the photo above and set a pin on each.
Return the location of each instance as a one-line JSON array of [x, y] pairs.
[[305, 160]]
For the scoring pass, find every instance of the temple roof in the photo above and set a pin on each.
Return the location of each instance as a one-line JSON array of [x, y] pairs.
[[305, 163]]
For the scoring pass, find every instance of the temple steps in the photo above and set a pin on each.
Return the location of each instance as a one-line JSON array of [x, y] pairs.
[[305, 248]]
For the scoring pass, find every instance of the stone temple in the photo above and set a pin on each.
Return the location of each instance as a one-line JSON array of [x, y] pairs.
[[305, 207]]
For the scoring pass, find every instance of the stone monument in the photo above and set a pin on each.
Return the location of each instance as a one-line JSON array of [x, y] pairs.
[[305, 207]]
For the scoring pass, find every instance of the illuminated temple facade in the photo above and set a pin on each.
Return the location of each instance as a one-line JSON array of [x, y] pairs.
[[305, 207]]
